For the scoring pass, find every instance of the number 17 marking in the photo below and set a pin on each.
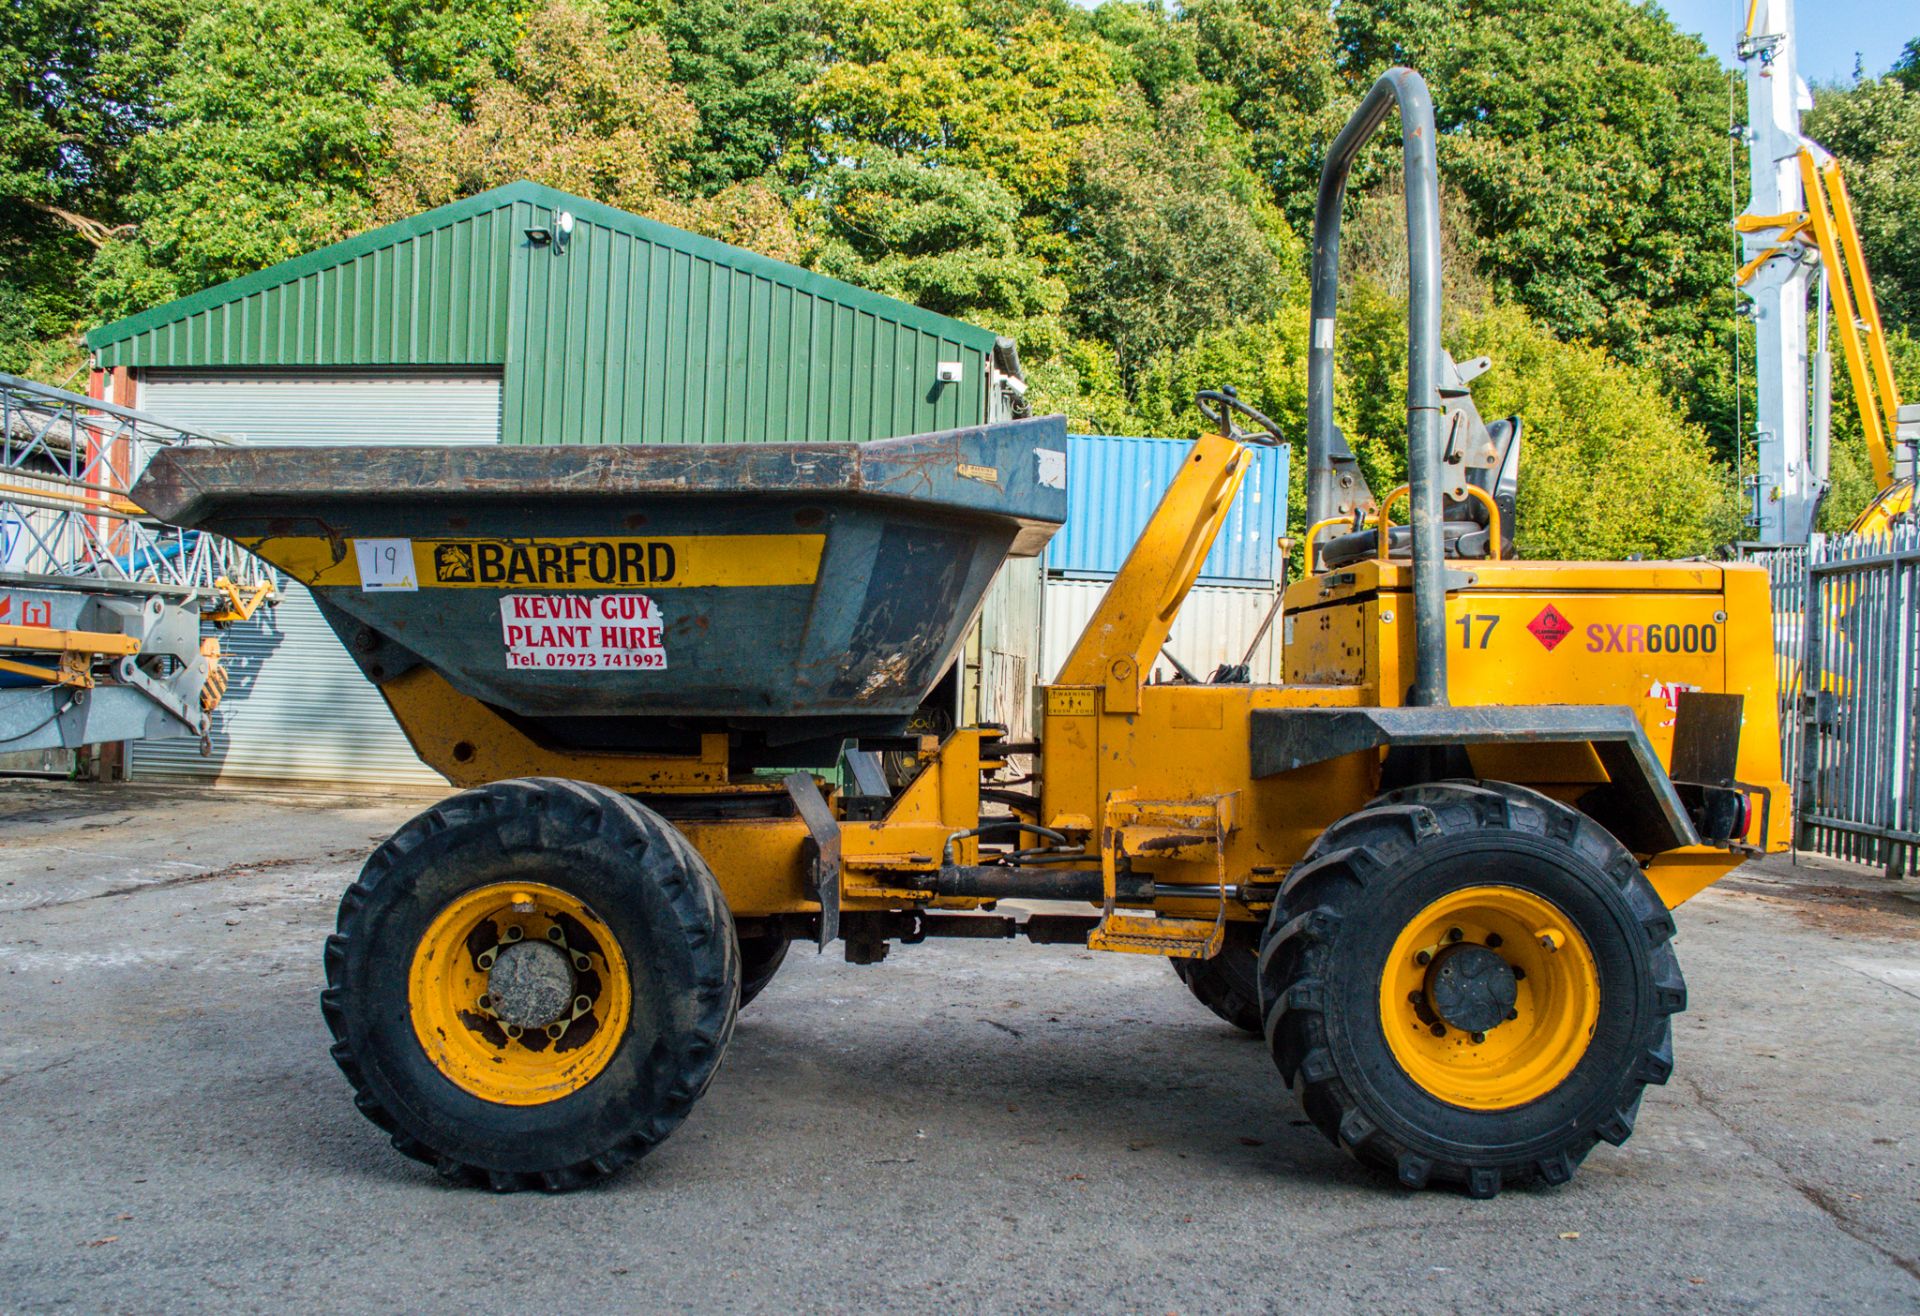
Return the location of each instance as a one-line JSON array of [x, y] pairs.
[[1489, 620]]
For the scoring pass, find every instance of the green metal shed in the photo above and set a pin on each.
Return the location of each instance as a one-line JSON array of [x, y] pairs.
[[606, 327], [527, 315]]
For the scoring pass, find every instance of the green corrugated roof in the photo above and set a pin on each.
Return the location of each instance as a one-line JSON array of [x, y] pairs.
[[500, 198], [636, 332]]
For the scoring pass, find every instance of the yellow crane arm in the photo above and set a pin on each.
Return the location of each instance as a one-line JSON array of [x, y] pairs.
[[1829, 223], [1863, 341]]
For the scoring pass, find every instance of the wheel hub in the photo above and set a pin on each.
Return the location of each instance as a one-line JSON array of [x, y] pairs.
[[530, 984], [1489, 997], [1471, 988]]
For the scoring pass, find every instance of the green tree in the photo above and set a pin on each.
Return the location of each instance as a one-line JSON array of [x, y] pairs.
[[263, 149], [1273, 64], [1169, 238], [942, 237], [79, 84], [80, 81], [1907, 67], [40, 306], [584, 106], [1158, 56], [745, 65], [1081, 380], [1012, 92], [444, 51], [579, 111], [1589, 140], [1607, 466]]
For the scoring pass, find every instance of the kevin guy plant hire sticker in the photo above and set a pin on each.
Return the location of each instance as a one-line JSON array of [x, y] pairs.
[[587, 632]]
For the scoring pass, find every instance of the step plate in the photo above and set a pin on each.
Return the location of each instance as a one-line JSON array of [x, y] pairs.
[[1175, 938]]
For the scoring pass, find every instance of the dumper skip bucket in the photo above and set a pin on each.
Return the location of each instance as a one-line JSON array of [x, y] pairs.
[[629, 596]]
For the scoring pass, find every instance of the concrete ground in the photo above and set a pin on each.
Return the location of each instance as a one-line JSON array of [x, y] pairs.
[[968, 1126]]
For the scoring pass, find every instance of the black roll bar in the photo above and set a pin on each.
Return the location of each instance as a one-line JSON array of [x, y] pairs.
[[1408, 90]]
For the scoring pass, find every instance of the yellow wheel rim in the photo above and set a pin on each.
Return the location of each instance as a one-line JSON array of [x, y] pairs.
[[1535, 1043], [519, 993]]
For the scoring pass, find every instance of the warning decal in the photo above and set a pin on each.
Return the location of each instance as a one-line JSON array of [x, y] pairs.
[[1550, 627], [587, 632]]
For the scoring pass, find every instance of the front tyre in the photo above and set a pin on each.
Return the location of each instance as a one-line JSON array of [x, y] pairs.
[[531, 984], [1470, 983]]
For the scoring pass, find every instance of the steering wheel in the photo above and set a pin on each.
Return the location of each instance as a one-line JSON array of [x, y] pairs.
[[1218, 406]]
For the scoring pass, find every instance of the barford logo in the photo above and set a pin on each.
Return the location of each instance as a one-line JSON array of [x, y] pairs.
[[453, 562]]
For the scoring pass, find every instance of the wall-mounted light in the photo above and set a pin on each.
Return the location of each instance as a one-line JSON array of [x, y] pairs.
[[556, 237]]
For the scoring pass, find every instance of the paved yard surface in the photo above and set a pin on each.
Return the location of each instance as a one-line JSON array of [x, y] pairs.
[[965, 1127]]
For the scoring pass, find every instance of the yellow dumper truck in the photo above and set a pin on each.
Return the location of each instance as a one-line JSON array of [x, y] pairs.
[[1435, 866]]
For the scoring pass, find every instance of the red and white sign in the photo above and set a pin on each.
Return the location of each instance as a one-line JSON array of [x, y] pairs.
[[33, 612], [584, 632], [1550, 627]]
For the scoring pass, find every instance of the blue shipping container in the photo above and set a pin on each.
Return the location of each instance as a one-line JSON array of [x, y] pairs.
[[1115, 482]]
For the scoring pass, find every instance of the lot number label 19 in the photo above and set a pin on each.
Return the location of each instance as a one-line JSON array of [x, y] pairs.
[[385, 564]]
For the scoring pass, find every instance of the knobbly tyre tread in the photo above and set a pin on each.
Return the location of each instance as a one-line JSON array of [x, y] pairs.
[[691, 891], [1229, 983], [1343, 875]]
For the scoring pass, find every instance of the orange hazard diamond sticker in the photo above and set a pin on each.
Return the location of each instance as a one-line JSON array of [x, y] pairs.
[[1549, 627]]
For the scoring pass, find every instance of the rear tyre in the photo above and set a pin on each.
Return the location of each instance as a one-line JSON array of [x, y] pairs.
[[763, 949], [1469, 983], [531, 984], [1229, 983]]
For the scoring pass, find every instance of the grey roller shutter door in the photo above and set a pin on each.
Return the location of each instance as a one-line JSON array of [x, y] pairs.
[[298, 712]]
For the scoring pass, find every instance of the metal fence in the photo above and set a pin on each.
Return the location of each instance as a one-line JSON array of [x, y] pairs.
[[1786, 566], [1847, 637]]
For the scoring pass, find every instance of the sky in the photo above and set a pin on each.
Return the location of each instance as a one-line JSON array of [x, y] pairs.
[[1829, 32]]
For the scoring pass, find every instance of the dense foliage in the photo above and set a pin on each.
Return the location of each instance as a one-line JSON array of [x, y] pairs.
[[1125, 188]]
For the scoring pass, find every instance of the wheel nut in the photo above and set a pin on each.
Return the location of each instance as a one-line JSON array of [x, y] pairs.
[[1493, 940], [582, 963], [513, 1031], [1413, 998], [1512, 1015], [484, 959], [555, 934], [1454, 934], [1439, 1030], [485, 1002], [514, 934], [582, 1004], [1423, 957], [1479, 1037], [1519, 974], [556, 1031]]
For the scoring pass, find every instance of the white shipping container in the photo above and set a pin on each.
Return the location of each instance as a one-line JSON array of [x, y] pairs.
[[1216, 625]]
